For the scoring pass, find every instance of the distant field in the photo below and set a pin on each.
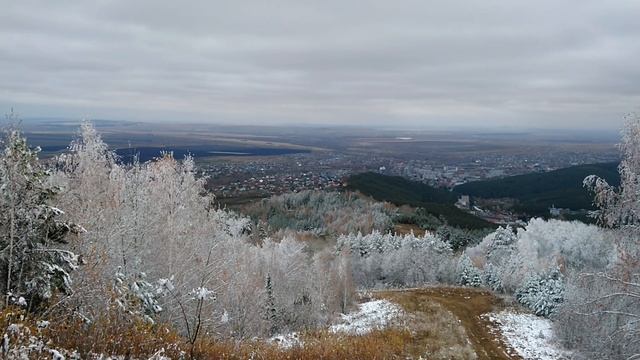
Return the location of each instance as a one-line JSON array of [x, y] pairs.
[[149, 153]]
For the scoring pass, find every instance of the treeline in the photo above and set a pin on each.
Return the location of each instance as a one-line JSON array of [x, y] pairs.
[[382, 260]]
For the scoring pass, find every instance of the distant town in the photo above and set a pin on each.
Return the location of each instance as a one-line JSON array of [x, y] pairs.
[[266, 176]]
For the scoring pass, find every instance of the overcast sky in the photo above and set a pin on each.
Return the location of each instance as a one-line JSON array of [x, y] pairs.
[[479, 63]]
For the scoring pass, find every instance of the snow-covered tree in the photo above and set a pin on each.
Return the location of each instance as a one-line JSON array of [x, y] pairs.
[[602, 313], [468, 274], [156, 227], [542, 293], [398, 260], [32, 263], [491, 278]]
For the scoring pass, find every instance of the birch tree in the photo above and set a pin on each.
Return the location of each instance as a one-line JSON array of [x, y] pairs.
[[603, 314]]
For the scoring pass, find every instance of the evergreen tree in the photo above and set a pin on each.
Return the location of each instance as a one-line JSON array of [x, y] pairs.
[[492, 278], [30, 268], [468, 274], [542, 293], [271, 313]]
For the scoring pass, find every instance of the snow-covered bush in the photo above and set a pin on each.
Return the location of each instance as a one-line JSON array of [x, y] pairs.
[[541, 245], [136, 296], [542, 293]]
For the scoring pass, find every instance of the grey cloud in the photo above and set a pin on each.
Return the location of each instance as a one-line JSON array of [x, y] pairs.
[[501, 63]]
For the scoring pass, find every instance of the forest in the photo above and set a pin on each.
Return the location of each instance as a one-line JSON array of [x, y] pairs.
[[102, 258], [400, 191], [537, 192]]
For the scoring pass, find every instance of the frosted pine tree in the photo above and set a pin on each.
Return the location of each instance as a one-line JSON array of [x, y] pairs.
[[491, 278], [542, 293], [271, 313], [31, 268], [502, 245], [136, 296], [468, 274]]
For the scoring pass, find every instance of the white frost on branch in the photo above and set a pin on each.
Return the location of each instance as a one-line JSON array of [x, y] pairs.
[[202, 293]]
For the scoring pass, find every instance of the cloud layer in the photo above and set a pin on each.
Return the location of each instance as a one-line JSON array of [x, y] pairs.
[[413, 63]]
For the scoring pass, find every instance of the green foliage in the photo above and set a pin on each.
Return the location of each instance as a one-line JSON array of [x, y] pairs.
[[398, 190], [438, 203], [459, 238], [537, 192], [421, 218]]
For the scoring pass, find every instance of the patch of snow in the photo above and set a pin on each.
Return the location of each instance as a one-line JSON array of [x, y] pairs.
[[287, 341], [55, 355], [371, 315], [14, 328], [530, 336], [42, 324]]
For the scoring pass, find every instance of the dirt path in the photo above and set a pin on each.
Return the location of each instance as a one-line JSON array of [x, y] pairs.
[[467, 305]]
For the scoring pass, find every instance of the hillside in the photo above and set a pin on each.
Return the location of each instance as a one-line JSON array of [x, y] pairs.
[[537, 192], [400, 191]]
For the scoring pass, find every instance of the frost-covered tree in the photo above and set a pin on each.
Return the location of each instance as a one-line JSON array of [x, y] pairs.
[[399, 260], [270, 310], [514, 257], [32, 264], [602, 313], [491, 278], [156, 227], [542, 293], [468, 274]]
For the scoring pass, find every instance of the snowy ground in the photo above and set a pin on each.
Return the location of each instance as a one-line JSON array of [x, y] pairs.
[[371, 315], [529, 335], [287, 340]]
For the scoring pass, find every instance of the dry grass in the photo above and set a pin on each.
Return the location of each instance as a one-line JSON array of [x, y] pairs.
[[115, 335], [440, 323], [383, 344], [436, 333], [454, 313], [405, 229]]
